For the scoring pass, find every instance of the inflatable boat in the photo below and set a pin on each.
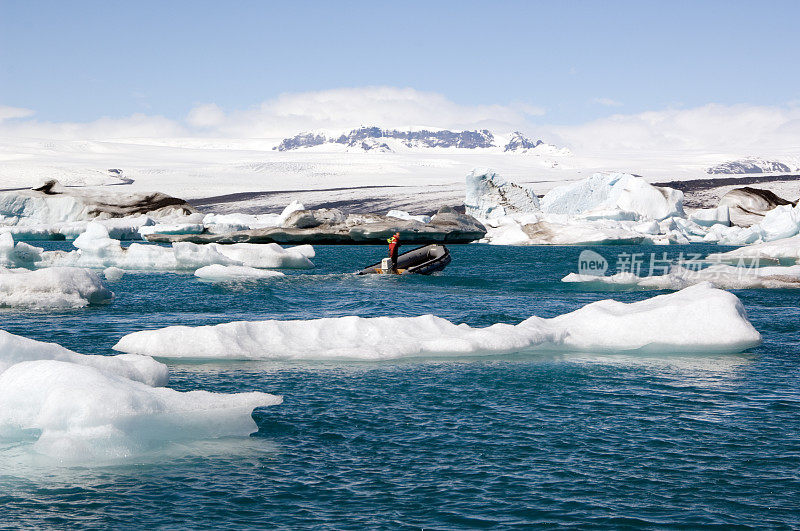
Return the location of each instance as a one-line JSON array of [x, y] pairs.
[[421, 261]]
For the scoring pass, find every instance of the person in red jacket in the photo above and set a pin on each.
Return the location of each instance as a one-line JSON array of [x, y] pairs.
[[394, 246]]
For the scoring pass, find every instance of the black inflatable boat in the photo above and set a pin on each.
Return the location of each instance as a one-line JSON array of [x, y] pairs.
[[421, 261]]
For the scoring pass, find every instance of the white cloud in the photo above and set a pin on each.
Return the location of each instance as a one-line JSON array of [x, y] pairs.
[[712, 128], [9, 113], [607, 102], [735, 130], [348, 108], [206, 115], [134, 126], [288, 114]]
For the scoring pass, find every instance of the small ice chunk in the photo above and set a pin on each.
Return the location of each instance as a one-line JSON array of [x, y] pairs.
[[113, 274], [402, 214], [55, 287], [708, 217], [291, 208], [221, 273], [19, 255], [172, 228]]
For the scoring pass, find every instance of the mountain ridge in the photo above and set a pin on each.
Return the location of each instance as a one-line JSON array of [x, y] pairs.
[[378, 139]]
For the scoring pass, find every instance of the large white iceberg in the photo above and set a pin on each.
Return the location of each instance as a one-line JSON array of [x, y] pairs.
[[779, 223], [82, 413], [697, 319], [749, 205], [605, 208], [616, 192], [575, 232], [53, 204], [17, 349]]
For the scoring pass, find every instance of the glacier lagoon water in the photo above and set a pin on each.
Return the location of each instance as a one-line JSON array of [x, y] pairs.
[[573, 440]]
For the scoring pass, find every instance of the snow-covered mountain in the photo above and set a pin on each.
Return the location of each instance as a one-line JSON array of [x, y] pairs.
[[390, 140], [749, 165], [519, 142]]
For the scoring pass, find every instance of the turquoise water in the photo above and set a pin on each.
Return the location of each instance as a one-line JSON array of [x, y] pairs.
[[571, 440]]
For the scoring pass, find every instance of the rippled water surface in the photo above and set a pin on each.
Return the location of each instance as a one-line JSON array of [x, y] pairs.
[[606, 440]]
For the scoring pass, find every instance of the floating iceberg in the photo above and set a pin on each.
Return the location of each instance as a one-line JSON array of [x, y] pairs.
[[784, 251], [697, 319], [183, 227], [55, 287], [489, 196], [53, 204], [19, 255], [221, 273], [614, 192], [709, 217], [81, 413], [113, 274], [749, 205], [574, 232], [721, 276], [780, 222], [16, 349], [602, 209], [95, 249], [267, 255]]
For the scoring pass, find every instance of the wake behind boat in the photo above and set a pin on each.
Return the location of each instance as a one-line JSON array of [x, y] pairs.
[[423, 260]]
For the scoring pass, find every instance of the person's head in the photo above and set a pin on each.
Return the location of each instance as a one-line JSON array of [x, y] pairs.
[[396, 235]]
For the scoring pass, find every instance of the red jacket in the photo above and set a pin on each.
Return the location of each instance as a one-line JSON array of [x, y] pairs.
[[394, 245]]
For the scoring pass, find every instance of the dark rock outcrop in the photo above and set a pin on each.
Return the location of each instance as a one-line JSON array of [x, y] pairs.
[[373, 138], [328, 226], [519, 142]]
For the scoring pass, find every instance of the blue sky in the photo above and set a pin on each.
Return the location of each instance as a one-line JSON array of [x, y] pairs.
[[578, 61]]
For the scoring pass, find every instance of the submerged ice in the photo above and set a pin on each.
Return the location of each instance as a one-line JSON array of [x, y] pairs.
[[81, 413], [221, 273], [78, 408], [697, 319]]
